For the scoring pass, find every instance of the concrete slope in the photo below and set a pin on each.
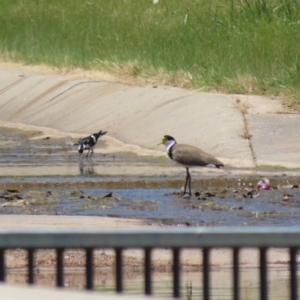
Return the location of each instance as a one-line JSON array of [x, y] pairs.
[[276, 139], [141, 115]]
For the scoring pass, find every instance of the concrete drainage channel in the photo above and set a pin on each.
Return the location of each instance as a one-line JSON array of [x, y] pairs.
[[95, 187], [42, 176], [136, 115]]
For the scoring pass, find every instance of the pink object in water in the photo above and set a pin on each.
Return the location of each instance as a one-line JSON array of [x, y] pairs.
[[263, 184]]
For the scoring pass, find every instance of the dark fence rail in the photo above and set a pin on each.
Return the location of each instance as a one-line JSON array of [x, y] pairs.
[[149, 239]]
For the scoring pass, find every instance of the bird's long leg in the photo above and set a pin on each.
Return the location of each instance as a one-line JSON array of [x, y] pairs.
[[186, 180], [92, 152], [190, 182], [88, 153]]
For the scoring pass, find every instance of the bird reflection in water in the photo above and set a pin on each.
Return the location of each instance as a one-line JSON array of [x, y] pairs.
[[86, 168]]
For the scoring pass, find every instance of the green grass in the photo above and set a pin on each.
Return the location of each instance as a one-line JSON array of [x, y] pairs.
[[236, 46]]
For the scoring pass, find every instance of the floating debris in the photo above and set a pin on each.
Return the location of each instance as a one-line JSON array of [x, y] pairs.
[[78, 193], [174, 193], [286, 197], [251, 194], [108, 195], [186, 196], [11, 195], [13, 191], [14, 203], [209, 194], [263, 184]]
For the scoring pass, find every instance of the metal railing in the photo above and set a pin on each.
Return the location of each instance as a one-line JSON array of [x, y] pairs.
[[149, 239]]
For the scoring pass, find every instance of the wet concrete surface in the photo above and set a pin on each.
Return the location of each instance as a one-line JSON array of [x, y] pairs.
[[42, 175]]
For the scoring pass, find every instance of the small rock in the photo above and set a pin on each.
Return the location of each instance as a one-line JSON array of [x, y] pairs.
[[108, 195], [286, 197], [209, 194]]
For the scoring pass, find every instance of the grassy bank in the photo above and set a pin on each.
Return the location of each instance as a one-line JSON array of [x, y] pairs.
[[237, 46]]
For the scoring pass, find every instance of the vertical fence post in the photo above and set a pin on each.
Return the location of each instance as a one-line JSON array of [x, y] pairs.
[[293, 274], [263, 274], [176, 273], [205, 252], [89, 269], [30, 258], [119, 270], [2, 265], [148, 279], [60, 267], [236, 285]]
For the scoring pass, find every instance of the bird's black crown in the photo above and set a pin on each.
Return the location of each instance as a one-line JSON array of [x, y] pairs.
[[168, 137]]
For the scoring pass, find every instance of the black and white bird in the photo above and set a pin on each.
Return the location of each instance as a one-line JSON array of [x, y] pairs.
[[88, 143], [188, 156]]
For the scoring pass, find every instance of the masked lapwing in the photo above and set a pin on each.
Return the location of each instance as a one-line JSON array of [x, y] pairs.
[[188, 156], [87, 143]]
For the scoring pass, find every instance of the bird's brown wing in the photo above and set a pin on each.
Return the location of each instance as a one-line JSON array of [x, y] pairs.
[[188, 155]]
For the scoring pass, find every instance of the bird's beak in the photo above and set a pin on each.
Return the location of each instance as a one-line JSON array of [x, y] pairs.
[[162, 142]]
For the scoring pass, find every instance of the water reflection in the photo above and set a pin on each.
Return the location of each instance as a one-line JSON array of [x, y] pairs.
[[86, 167], [191, 282]]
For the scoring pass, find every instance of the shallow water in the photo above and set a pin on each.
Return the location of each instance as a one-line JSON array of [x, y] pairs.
[[160, 205], [52, 179]]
